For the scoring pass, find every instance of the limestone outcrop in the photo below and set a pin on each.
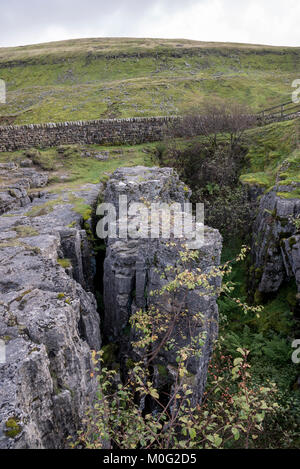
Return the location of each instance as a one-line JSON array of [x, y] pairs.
[[48, 320], [133, 269], [276, 239]]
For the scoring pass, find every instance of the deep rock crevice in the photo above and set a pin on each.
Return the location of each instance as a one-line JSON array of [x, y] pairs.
[[56, 279]]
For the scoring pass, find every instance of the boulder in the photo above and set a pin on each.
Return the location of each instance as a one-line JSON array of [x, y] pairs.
[[15, 185]]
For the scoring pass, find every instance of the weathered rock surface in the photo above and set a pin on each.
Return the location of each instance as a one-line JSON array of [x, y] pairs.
[[104, 131], [276, 240], [48, 321], [15, 183], [133, 269]]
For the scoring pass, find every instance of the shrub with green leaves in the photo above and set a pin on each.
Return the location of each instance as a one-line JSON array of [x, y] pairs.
[[232, 412]]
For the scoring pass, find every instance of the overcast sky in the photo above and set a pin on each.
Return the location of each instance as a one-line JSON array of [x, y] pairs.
[[251, 21]]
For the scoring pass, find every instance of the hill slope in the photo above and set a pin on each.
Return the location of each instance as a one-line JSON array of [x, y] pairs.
[[103, 78]]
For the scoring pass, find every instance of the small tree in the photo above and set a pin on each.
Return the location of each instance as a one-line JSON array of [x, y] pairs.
[[213, 120], [211, 163]]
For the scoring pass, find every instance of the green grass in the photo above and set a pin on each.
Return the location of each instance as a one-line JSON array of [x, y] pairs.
[[90, 170], [71, 172], [44, 209], [273, 156], [277, 315], [24, 231], [80, 206], [289, 194], [78, 170], [84, 170], [101, 78], [65, 263]]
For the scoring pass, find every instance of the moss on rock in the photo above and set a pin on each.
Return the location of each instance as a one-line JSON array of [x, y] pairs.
[[12, 427]]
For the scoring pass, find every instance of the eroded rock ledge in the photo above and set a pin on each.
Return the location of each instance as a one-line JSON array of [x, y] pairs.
[[133, 269]]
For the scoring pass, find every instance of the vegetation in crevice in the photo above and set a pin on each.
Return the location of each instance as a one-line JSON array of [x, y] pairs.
[[233, 414], [266, 156], [12, 427], [268, 336]]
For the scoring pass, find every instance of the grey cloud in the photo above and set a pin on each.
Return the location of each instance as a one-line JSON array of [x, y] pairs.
[[256, 21], [22, 21]]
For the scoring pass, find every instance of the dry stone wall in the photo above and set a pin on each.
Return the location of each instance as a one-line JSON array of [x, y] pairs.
[[106, 131]]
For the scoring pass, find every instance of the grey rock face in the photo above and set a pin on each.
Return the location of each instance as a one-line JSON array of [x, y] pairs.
[[276, 240], [254, 192], [49, 323], [133, 268]]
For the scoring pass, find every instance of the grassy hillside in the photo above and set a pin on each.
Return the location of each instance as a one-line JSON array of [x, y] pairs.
[[274, 155], [102, 78]]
